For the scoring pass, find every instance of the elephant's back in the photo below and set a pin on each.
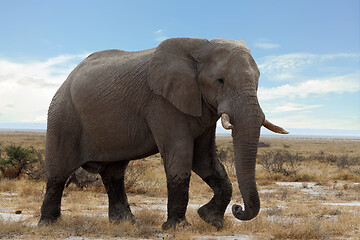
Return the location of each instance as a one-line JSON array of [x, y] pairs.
[[106, 54], [109, 78]]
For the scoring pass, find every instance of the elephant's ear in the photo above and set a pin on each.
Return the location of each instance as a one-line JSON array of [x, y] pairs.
[[173, 74]]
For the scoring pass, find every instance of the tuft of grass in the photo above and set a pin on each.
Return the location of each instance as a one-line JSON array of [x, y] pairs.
[[30, 190], [86, 226], [9, 229], [150, 217]]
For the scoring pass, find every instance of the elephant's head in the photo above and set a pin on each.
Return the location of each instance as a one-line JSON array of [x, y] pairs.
[[222, 75]]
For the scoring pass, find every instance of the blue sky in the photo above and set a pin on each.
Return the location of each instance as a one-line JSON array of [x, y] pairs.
[[308, 52]]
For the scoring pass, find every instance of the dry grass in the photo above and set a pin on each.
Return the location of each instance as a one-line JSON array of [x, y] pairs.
[[313, 209]]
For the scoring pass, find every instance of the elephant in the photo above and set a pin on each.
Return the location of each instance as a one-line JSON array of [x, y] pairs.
[[117, 106]]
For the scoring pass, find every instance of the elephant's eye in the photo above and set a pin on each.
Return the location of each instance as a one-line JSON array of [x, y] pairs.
[[221, 80]]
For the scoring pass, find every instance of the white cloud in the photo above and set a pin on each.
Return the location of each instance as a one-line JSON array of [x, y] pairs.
[[271, 64], [307, 79], [338, 84], [26, 89], [307, 120], [160, 31], [266, 44], [283, 67], [160, 36], [49, 73], [290, 107]]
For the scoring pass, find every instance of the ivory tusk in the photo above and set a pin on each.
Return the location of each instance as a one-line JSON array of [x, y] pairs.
[[274, 128], [225, 121]]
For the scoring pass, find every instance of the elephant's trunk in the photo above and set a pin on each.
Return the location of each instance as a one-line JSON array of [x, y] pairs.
[[246, 135]]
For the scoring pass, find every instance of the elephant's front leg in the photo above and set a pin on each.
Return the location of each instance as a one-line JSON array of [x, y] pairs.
[[211, 170], [178, 163]]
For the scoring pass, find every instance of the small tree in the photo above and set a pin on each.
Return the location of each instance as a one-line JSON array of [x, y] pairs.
[[17, 160]]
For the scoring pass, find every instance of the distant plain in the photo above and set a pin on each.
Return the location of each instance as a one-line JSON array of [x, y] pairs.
[[316, 196]]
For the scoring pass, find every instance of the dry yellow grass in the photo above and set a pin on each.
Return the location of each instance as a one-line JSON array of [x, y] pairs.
[[325, 207], [24, 139]]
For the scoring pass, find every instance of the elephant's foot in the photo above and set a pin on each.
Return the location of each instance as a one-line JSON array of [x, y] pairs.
[[173, 223], [125, 216], [48, 220], [210, 214], [49, 214]]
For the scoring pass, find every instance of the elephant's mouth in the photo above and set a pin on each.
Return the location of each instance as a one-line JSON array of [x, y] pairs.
[[225, 121]]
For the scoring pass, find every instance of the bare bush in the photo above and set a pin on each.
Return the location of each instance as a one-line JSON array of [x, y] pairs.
[[81, 178], [342, 161], [318, 156], [281, 162], [331, 158], [222, 154], [356, 170], [227, 159], [225, 155], [134, 171], [263, 144]]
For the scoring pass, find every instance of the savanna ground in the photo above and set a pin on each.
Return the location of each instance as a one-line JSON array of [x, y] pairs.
[[309, 189]]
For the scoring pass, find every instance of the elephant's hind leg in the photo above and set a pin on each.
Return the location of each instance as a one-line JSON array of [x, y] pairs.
[[113, 178], [210, 169], [50, 209], [60, 160]]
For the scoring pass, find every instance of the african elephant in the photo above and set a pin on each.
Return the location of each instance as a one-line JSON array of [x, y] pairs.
[[117, 106]]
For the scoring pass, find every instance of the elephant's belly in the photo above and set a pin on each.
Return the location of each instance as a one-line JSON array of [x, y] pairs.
[[118, 140]]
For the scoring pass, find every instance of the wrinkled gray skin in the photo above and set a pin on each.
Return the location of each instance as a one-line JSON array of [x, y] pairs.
[[118, 106]]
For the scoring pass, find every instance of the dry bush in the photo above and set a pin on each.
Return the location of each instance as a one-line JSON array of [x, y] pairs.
[[263, 144], [83, 179], [342, 161], [230, 169], [281, 162], [134, 172], [356, 170], [146, 176], [226, 157]]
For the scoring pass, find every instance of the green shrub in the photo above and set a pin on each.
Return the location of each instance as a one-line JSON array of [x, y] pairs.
[[17, 160]]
